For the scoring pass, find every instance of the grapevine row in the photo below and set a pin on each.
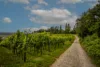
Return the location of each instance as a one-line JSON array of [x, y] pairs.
[[21, 43]]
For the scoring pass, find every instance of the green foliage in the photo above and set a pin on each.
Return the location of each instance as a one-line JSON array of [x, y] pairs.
[[92, 46], [88, 28], [8, 59], [56, 30], [59, 29], [89, 22], [27, 45], [67, 28]]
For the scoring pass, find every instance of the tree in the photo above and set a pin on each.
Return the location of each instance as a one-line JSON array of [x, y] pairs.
[[61, 31], [52, 30], [73, 31], [89, 22], [67, 28]]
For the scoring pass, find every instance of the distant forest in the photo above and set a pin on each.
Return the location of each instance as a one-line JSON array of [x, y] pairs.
[[6, 33]]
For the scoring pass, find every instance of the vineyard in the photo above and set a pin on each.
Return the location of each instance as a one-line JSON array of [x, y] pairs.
[[36, 49]]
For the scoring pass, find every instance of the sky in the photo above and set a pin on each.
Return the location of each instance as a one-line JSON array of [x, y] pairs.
[[40, 14]]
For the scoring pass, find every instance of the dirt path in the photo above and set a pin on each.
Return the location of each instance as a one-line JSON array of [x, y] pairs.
[[75, 56]]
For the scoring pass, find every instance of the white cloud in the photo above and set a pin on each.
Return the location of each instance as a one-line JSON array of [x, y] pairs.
[[53, 16], [27, 8], [44, 27], [19, 1], [7, 20], [35, 28], [69, 1], [30, 29], [76, 1], [52, 13], [42, 2], [92, 4], [35, 6]]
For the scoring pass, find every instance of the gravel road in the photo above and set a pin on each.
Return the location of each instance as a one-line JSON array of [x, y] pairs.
[[75, 56]]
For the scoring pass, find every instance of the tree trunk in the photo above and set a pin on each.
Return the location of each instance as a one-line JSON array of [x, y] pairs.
[[24, 56]]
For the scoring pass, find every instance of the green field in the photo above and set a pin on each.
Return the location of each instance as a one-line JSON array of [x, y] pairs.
[[33, 50]]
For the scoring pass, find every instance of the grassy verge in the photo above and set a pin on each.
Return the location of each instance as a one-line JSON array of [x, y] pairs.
[[91, 44]]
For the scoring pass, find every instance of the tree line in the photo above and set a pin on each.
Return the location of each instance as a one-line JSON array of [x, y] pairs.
[[59, 29]]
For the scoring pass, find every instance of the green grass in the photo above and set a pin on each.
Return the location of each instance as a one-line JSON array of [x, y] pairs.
[[7, 59], [47, 59]]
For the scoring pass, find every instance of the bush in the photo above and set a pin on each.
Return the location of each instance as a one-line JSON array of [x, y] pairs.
[[92, 46]]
